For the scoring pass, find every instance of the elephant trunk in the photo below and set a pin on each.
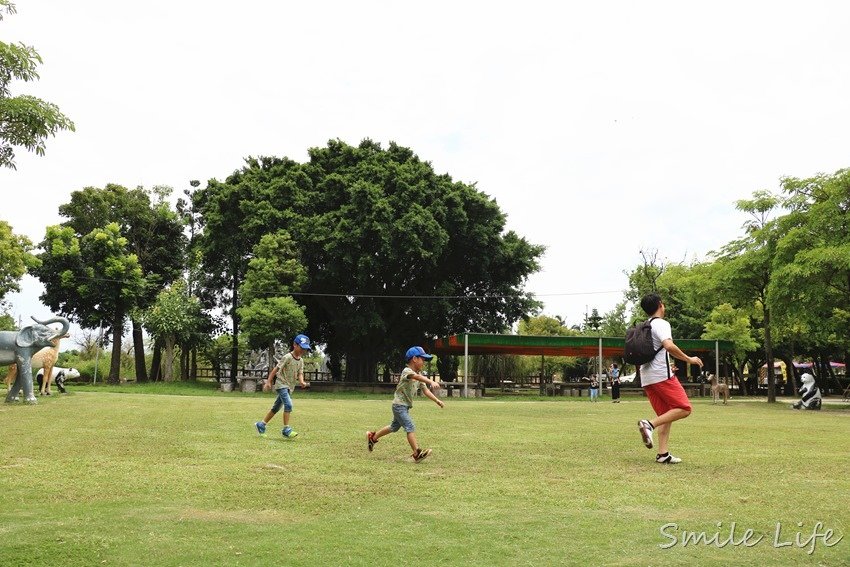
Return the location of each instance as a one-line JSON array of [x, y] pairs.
[[62, 332]]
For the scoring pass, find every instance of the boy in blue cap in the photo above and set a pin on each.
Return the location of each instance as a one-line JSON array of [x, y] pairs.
[[408, 384], [290, 368]]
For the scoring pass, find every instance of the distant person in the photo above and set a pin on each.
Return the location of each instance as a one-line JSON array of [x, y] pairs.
[[282, 377], [594, 388], [409, 383], [615, 383], [662, 388]]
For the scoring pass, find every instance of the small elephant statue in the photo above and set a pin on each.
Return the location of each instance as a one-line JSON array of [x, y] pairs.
[[19, 346], [811, 398]]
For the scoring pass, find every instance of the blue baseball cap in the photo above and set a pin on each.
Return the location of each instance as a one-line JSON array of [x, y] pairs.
[[417, 351], [303, 341]]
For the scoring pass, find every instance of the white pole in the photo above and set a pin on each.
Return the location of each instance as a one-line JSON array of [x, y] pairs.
[[466, 365], [717, 360], [97, 353], [599, 374]]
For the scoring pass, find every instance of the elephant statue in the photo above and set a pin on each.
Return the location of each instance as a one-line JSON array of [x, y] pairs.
[[19, 346]]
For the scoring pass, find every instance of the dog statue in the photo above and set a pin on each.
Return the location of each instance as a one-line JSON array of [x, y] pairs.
[[811, 398], [59, 375], [718, 389]]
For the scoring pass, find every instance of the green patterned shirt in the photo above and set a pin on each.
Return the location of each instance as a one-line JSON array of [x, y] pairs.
[[288, 370], [407, 388]]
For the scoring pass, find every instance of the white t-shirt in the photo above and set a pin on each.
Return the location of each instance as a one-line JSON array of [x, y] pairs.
[[656, 370]]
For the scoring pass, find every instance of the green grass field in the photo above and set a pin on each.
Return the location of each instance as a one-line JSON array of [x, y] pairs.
[[152, 478]]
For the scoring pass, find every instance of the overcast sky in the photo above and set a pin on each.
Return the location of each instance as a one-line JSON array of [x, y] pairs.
[[601, 128]]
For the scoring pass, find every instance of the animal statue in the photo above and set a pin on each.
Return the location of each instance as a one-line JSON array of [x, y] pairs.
[[59, 375], [811, 398], [18, 347], [718, 389], [45, 358]]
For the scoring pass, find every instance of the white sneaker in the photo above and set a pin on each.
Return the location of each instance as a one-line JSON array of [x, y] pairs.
[[645, 429], [668, 460]]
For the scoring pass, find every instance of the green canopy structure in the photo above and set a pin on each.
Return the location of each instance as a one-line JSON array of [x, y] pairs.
[[484, 343]]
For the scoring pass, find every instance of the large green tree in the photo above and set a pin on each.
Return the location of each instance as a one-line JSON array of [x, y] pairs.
[[747, 264], [154, 233], [232, 217], [173, 317], [394, 252], [91, 279], [811, 283], [268, 312], [25, 121]]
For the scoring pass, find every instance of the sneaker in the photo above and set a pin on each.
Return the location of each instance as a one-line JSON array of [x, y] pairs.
[[370, 440], [667, 459], [645, 429], [420, 454], [289, 433], [261, 427]]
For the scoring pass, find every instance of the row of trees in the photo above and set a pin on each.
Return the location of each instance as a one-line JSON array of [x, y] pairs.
[[364, 248], [361, 247], [779, 291]]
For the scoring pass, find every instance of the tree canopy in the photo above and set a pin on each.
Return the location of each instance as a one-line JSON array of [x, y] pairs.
[[394, 252], [25, 121], [15, 258]]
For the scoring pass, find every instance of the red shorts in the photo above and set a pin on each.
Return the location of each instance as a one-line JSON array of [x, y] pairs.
[[667, 395]]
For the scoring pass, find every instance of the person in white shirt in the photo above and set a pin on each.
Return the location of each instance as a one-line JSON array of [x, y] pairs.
[[661, 386]]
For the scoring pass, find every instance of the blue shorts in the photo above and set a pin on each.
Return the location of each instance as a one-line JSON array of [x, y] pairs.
[[401, 418], [283, 399]]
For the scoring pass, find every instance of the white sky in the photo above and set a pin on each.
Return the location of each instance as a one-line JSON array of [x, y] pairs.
[[601, 128]]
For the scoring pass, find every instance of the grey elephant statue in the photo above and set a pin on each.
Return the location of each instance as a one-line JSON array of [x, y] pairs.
[[19, 346]]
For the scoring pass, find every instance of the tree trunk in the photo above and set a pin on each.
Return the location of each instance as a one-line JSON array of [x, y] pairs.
[[335, 366], [156, 361], [790, 376], [193, 365], [169, 359], [139, 352], [184, 363], [361, 366], [115, 363], [234, 351], [768, 351]]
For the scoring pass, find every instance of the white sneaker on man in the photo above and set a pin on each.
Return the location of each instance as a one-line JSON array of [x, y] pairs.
[[645, 429], [667, 459]]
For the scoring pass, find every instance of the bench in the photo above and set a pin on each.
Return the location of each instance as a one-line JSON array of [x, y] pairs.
[[565, 388], [455, 389]]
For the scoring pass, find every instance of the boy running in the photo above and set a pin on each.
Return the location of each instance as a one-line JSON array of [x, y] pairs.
[[291, 368], [408, 384]]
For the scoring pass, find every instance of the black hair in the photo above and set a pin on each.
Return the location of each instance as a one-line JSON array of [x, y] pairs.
[[650, 303]]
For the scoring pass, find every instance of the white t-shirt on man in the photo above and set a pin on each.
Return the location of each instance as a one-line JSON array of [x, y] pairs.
[[657, 370]]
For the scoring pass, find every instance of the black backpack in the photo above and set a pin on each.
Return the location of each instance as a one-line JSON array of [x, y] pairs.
[[638, 348]]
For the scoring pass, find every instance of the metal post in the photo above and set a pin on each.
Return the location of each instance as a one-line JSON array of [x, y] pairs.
[[599, 374], [717, 360], [466, 365]]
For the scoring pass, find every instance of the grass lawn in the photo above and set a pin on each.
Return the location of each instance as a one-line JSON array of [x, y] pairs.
[[141, 476]]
